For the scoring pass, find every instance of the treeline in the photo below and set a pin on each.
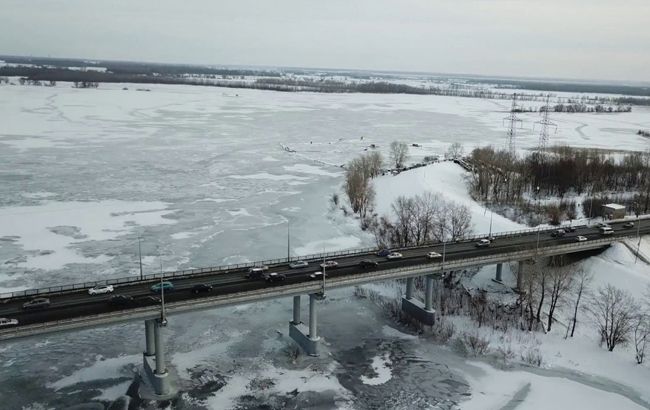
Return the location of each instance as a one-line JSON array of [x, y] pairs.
[[414, 220], [498, 177], [261, 80], [599, 108]]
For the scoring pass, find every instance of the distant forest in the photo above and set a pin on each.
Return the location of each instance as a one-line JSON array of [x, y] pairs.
[[290, 80]]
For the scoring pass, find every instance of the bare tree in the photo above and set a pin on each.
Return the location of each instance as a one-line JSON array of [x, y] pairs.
[[582, 280], [560, 283], [641, 332], [374, 163], [613, 311], [358, 186], [399, 152], [455, 151], [542, 273], [460, 220]]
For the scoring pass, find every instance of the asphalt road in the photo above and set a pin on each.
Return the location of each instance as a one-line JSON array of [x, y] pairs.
[[80, 303]]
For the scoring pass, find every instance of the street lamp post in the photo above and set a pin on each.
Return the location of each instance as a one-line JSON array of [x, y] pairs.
[[140, 256]]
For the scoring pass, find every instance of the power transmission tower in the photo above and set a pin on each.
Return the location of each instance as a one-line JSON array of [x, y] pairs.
[[512, 129], [545, 125]]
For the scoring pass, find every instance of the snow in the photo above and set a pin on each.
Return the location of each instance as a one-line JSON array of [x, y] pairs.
[[311, 169], [381, 366], [270, 177], [494, 389], [102, 369], [89, 221], [328, 245], [447, 179], [617, 266]]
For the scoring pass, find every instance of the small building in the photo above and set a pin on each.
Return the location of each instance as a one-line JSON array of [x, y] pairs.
[[613, 211]]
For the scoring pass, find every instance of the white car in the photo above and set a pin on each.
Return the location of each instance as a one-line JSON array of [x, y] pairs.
[[581, 238], [100, 290], [329, 264], [434, 255], [8, 322], [258, 269], [483, 243], [394, 255], [298, 264]]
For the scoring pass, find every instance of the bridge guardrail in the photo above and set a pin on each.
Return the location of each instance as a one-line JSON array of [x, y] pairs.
[[334, 282], [225, 268]]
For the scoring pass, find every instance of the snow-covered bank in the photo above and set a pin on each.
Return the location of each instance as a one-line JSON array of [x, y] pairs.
[[496, 389], [447, 179]]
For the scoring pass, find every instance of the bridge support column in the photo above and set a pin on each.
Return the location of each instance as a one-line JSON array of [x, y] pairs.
[[414, 308], [296, 310], [428, 296], [520, 275], [409, 288], [499, 270], [150, 346], [157, 380], [306, 337]]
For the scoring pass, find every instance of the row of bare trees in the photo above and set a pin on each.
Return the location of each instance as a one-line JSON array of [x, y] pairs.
[[420, 219], [500, 177], [617, 316]]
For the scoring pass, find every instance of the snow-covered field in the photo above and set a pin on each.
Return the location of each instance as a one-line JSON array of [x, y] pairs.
[[199, 175]]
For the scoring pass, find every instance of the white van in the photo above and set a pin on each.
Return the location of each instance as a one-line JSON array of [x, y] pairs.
[[606, 230]]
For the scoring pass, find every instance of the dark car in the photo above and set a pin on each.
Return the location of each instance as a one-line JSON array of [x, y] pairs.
[[367, 264], [384, 252], [120, 300], [201, 288], [274, 277], [37, 303], [148, 300], [570, 228], [558, 233]]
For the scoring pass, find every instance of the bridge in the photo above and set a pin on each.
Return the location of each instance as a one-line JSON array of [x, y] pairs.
[[73, 308]]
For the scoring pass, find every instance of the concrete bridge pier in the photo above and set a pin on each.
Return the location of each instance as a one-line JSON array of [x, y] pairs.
[[520, 275], [158, 383], [499, 270], [306, 337], [422, 312]]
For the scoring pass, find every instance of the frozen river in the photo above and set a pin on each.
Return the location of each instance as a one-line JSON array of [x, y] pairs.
[[199, 174]]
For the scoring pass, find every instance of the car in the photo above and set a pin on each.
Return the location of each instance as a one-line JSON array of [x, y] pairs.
[[368, 264], [147, 300], [570, 229], [36, 303], [394, 255], [329, 264], [99, 290], [316, 275], [201, 288], [606, 230], [120, 300], [383, 252], [4, 322], [558, 233], [581, 238], [433, 255], [162, 286], [602, 224], [274, 277], [628, 224], [483, 243], [256, 272], [298, 264]]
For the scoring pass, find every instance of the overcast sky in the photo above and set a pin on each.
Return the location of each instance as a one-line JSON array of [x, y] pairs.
[[591, 39]]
